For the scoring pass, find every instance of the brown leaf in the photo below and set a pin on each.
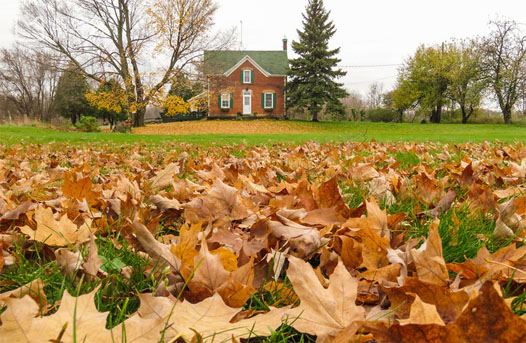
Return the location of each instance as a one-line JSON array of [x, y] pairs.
[[156, 250], [165, 177], [79, 189], [329, 196], [449, 303], [429, 262], [68, 261], [211, 318], [93, 262], [35, 289], [23, 208], [422, 313], [77, 315], [323, 312], [487, 318], [164, 203], [57, 233]]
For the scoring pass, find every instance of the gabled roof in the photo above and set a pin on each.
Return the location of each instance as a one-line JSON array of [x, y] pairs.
[[222, 61]]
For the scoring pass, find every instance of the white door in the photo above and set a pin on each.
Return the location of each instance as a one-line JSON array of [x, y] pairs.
[[247, 103]]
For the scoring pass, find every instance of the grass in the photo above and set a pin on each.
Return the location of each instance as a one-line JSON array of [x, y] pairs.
[[116, 295], [460, 229], [329, 131]]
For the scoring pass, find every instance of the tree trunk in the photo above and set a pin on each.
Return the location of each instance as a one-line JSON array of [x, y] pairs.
[[464, 115], [436, 114], [315, 116], [400, 116], [507, 116], [138, 117]]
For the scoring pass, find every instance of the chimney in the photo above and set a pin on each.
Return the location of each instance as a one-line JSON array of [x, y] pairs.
[[285, 44]]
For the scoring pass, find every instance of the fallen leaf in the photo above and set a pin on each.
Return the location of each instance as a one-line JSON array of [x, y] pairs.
[[323, 312], [57, 233], [429, 261]]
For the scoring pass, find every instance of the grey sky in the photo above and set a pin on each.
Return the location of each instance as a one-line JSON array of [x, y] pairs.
[[374, 32]]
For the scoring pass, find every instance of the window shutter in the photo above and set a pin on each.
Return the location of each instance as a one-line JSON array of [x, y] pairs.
[[219, 101], [252, 77], [231, 100], [263, 100], [274, 100], [242, 81]]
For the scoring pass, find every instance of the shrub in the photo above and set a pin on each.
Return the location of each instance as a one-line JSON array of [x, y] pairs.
[[122, 127], [88, 124], [382, 115]]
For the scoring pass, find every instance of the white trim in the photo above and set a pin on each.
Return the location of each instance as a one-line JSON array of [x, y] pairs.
[[225, 97], [243, 60], [250, 81], [271, 100]]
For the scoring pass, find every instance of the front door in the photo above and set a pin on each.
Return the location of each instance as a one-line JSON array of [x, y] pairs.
[[247, 103]]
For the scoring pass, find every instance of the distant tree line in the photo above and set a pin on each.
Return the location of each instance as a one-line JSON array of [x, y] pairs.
[[462, 74], [458, 77]]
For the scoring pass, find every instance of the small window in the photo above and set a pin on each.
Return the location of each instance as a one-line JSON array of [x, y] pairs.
[[247, 76], [225, 100], [269, 100]]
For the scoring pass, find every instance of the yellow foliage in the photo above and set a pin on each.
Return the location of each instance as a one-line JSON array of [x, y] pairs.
[[114, 101], [175, 105]]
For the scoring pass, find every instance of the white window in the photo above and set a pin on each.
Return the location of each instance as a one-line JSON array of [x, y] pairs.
[[269, 100], [247, 76], [225, 100]]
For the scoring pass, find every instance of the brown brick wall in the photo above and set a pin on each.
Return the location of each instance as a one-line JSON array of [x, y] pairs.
[[232, 84]]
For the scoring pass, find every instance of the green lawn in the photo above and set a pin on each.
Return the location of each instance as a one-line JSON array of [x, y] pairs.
[[321, 132]]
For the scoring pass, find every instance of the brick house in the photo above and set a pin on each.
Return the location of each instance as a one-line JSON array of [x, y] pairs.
[[246, 82]]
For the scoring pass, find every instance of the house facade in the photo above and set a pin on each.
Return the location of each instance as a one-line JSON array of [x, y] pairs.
[[248, 83]]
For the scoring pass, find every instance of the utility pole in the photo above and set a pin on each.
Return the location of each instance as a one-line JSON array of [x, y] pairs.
[[241, 44]]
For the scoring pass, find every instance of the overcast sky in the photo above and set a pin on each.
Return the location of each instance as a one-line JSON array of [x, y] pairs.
[[374, 32]]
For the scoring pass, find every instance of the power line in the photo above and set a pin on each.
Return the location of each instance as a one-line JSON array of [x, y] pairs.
[[370, 66], [361, 82]]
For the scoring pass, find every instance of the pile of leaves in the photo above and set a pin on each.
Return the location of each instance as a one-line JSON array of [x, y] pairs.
[[351, 242]]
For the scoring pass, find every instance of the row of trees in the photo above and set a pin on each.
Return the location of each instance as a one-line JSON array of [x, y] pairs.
[[113, 45], [465, 72]]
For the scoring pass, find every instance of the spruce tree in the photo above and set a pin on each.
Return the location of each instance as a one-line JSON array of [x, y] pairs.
[[312, 76], [70, 98]]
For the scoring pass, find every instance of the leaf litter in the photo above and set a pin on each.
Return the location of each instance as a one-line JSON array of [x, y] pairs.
[[350, 236]]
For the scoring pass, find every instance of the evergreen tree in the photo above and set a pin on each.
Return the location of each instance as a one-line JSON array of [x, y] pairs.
[[70, 96], [183, 88], [312, 76]]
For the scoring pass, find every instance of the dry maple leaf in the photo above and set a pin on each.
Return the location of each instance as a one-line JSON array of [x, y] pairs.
[[210, 276], [57, 233], [210, 318], [157, 251], [449, 303], [93, 262], [323, 311], [422, 313], [487, 318], [78, 316], [222, 202], [79, 189], [429, 261], [165, 177], [35, 289]]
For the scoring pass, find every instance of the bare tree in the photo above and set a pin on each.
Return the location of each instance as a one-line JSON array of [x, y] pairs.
[[28, 81], [375, 95], [504, 56], [123, 39]]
